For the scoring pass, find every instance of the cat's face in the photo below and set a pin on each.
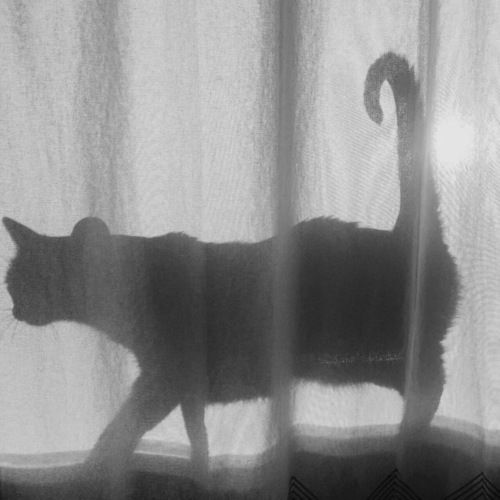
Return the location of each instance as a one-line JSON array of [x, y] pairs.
[[57, 278]]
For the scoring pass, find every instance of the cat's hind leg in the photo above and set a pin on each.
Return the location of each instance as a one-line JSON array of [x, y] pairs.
[[423, 393], [415, 456]]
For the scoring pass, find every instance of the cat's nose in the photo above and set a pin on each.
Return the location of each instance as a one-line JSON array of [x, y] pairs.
[[19, 312]]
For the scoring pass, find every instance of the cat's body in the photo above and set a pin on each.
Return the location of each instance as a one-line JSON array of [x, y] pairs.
[[199, 316]]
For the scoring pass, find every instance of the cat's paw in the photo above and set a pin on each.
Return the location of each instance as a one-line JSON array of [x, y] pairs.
[[104, 477], [200, 471], [89, 479]]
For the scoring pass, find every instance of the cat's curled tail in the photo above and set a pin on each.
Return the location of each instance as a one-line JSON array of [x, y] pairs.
[[401, 77], [396, 70]]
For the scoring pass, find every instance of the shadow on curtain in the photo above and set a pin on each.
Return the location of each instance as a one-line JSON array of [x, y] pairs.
[[264, 336]]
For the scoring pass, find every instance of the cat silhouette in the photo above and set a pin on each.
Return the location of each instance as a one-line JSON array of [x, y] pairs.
[[198, 316]]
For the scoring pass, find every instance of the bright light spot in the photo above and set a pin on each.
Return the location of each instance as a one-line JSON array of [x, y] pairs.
[[453, 141]]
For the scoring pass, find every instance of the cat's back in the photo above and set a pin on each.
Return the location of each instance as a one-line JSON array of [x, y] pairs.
[[238, 279], [327, 247], [351, 287]]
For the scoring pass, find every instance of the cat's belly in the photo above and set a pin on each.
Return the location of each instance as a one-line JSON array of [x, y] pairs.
[[250, 380], [240, 365], [381, 368]]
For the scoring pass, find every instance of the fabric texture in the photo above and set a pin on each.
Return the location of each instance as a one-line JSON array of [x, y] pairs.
[[194, 116]]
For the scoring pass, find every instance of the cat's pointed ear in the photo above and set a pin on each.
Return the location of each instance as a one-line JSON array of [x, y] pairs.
[[21, 235], [90, 230]]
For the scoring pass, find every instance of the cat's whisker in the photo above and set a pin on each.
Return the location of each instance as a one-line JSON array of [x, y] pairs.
[[6, 328], [6, 315], [16, 325], [55, 333], [9, 329]]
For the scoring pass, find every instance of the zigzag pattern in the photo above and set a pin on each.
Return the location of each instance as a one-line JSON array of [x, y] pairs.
[[479, 487], [393, 488], [297, 491]]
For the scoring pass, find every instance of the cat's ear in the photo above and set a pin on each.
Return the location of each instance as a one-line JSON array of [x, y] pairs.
[[21, 235], [90, 231]]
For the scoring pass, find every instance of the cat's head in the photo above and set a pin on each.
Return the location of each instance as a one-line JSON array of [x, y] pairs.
[[58, 278]]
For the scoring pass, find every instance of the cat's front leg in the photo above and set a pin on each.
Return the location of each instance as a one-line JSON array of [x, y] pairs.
[[193, 411], [151, 400]]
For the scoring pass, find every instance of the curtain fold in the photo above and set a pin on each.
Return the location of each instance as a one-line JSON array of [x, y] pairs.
[[233, 121]]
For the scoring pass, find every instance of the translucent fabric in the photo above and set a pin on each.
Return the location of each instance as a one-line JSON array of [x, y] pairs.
[[233, 121]]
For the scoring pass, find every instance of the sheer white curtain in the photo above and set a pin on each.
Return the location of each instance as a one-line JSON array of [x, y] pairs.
[[161, 116]]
